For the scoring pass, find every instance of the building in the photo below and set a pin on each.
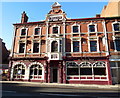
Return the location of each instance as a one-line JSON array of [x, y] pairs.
[[62, 50], [4, 55]]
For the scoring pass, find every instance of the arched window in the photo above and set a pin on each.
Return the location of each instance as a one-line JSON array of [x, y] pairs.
[[54, 46], [35, 71], [99, 68], [19, 71]]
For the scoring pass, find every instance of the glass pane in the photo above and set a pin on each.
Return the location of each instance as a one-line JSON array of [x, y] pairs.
[[35, 71], [75, 29], [116, 27], [31, 71], [93, 46], [23, 71], [117, 45], [54, 46], [36, 48], [99, 71], [72, 71], [114, 72], [92, 28], [85, 71], [40, 72], [37, 31], [118, 64], [112, 64], [55, 30], [75, 46], [23, 32], [21, 47]]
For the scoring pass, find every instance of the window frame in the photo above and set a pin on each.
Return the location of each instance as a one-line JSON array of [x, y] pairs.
[[36, 41], [113, 26], [26, 29], [39, 31], [95, 25], [22, 42], [78, 29]]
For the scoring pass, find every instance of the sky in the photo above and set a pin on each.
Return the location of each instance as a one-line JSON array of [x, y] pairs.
[[36, 11]]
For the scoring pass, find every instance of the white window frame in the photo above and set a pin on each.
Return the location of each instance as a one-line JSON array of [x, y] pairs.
[[39, 32], [95, 27], [113, 26], [36, 41], [21, 31], [21, 41], [41, 65], [58, 29], [78, 29]]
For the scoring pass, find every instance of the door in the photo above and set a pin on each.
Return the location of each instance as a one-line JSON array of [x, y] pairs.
[[55, 75]]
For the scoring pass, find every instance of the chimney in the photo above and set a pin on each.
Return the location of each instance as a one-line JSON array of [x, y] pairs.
[[24, 17], [97, 15]]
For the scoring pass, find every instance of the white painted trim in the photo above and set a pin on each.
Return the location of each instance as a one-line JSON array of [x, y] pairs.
[[58, 29], [113, 26], [33, 63], [78, 28], [39, 32], [94, 25]]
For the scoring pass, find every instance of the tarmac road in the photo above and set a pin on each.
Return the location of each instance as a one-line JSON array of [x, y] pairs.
[[11, 90]]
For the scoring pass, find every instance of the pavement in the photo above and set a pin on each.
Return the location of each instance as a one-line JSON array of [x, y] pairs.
[[58, 85]]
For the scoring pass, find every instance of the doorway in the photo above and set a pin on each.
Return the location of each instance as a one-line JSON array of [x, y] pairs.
[[55, 75]]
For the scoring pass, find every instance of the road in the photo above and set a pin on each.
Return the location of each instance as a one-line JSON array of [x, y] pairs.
[[11, 90]]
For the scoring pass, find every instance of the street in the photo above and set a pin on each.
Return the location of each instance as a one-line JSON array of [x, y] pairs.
[[11, 90]]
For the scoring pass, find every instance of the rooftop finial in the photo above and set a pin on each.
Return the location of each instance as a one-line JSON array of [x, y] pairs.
[[56, 4]]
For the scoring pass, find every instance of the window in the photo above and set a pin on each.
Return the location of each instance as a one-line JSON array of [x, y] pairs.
[[117, 42], [99, 71], [35, 70], [75, 29], [72, 68], [75, 46], [21, 47], [72, 71], [85, 71], [54, 46], [19, 71], [55, 30], [91, 28], [37, 31], [116, 27], [36, 48], [93, 46], [99, 68], [23, 32]]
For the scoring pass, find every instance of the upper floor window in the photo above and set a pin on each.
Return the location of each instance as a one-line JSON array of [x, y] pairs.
[[54, 46], [75, 29], [55, 30], [35, 47], [91, 28], [37, 31], [116, 27], [117, 42], [75, 46], [21, 47], [93, 46], [23, 32]]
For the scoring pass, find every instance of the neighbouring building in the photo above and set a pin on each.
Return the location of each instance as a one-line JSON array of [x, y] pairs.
[[4, 57], [63, 50]]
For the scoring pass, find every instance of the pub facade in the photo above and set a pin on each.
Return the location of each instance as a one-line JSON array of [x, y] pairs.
[[63, 50]]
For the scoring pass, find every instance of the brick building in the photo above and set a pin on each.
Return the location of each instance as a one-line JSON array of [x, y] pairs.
[[62, 50]]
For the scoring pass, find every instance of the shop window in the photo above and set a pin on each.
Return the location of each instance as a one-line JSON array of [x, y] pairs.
[[93, 46], [19, 71], [99, 71], [55, 30], [37, 31], [75, 46], [117, 42], [85, 71], [116, 27], [54, 46], [23, 32], [21, 47], [35, 70], [75, 29], [112, 64], [72, 71], [35, 47], [91, 28], [114, 72]]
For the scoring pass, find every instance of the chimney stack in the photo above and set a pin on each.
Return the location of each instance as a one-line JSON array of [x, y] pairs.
[[24, 17]]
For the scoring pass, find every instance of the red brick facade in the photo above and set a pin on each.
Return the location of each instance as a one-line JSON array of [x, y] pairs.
[[65, 50]]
